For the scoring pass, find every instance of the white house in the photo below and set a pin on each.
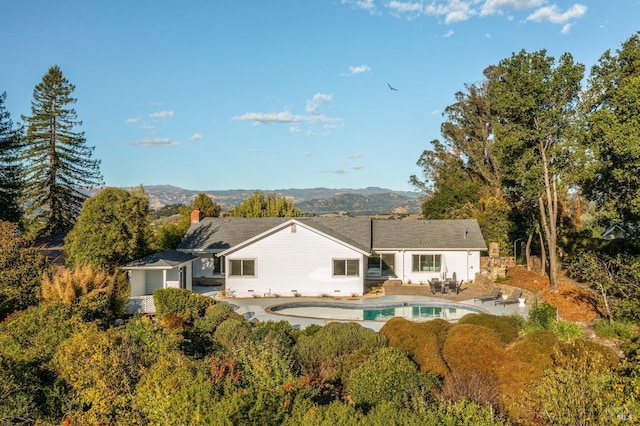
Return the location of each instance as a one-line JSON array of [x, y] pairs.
[[327, 256]]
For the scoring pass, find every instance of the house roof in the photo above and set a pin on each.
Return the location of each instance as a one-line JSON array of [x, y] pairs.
[[461, 234], [164, 259], [219, 234]]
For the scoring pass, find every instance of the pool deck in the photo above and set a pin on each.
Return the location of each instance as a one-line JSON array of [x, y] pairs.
[[254, 309]]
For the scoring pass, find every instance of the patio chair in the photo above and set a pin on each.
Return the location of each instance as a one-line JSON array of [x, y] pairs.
[[495, 293], [513, 298], [436, 286]]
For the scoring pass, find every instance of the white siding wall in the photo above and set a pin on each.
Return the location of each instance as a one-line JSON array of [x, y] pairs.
[[302, 262], [137, 281], [464, 264]]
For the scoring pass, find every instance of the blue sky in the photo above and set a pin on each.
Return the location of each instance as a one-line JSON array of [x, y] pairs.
[[267, 95]]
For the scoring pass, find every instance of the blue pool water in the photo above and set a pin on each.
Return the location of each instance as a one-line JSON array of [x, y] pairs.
[[414, 311]]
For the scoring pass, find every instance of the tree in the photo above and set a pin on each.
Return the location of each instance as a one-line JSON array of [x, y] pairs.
[[21, 270], [207, 207], [169, 235], [258, 205], [58, 161], [612, 137], [112, 229], [534, 99], [10, 167]]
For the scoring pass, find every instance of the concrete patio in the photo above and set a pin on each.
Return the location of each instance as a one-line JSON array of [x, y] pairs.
[[255, 309]]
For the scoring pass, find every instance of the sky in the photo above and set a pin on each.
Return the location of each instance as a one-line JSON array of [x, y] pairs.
[[256, 94]]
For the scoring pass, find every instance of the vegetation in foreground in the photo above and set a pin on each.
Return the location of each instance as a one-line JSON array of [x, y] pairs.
[[198, 362]]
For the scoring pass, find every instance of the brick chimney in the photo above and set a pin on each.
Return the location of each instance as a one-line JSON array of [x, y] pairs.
[[196, 215]]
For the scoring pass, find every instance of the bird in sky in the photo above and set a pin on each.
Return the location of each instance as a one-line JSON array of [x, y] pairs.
[[392, 88]]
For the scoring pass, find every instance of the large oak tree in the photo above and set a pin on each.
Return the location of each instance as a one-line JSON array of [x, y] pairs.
[[534, 101], [59, 164]]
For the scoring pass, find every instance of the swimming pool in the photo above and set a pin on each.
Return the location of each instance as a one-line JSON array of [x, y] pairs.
[[414, 311]]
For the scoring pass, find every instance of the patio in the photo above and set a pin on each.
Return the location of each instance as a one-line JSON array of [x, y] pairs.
[[254, 309]]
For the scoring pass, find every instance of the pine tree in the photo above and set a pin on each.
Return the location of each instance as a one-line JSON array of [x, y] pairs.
[[58, 162], [10, 167]]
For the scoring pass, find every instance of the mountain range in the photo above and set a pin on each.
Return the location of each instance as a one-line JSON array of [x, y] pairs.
[[364, 201]]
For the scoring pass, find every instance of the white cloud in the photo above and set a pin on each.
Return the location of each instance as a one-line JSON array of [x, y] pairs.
[[358, 167], [132, 120], [155, 143], [338, 171], [448, 34], [359, 69], [196, 137], [405, 7], [461, 10], [161, 114], [313, 117], [362, 4], [269, 117], [357, 155], [496, 7], [317, 102], [566, 28], [553, 14], [308, 154]]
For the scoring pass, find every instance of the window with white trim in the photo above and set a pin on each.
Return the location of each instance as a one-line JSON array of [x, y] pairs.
[[426, 263], [242, 267], [346, 267]]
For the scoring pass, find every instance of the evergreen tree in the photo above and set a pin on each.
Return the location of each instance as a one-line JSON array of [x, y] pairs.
[[59, 163], [10, 168]]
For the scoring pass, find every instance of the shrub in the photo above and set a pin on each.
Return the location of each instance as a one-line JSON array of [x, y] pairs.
[[423, 342], [566, 330], [231, 333], [388, 375], [94, 293], [478, 386], [537, 347], [336, 349], [506, 327], [541, 314], [472, 347], [180, 302]]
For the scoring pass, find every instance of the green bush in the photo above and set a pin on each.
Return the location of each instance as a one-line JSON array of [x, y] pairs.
[[565, 330], [336, 349], [388, 375], [181, 303], [621, 329], [506, 327], [541, 314]]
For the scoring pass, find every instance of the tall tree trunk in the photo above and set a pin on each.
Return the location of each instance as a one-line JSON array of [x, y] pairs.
[[549, 218], [528, 250], [543, 255]]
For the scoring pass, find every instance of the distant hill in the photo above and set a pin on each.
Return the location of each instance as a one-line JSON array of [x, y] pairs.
[[365, 201]]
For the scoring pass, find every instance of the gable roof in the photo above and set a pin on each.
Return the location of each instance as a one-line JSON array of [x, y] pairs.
[[163, 260], [220, 234]]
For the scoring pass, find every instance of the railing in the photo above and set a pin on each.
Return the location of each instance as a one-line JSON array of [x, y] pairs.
[[141, 305]]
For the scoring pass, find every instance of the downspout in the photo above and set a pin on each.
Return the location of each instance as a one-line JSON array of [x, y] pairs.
[[468, 254], [403, 270]]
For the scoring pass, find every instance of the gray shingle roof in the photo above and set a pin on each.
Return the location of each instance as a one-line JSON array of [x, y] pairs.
[[428, 234], [169, 258], [218, 234]]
